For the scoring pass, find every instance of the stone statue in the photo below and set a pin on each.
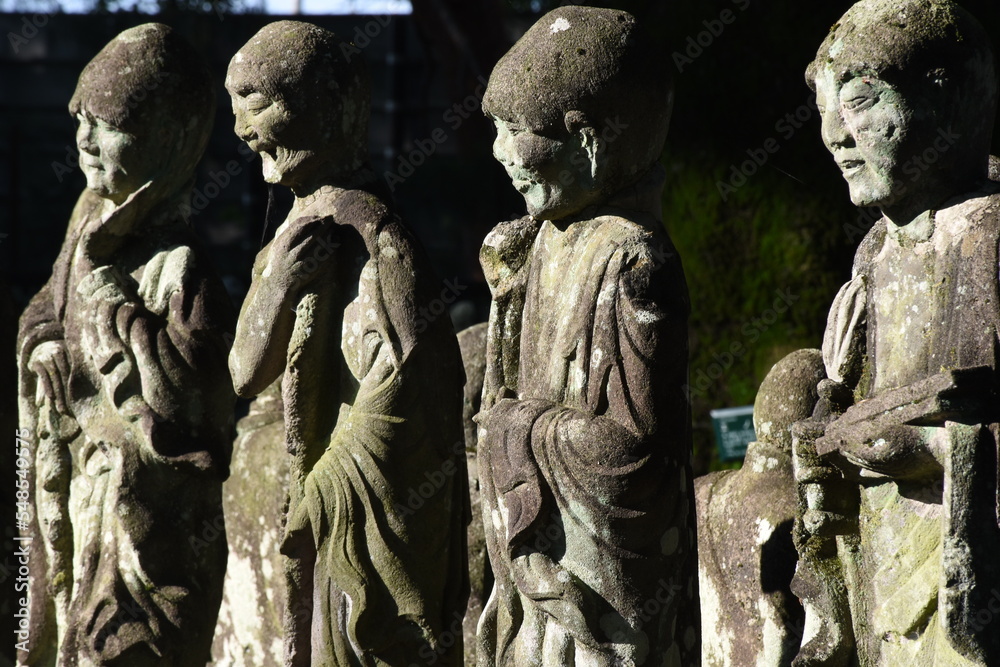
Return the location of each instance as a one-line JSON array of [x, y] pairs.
[[124, 391], [745, 551], [251, 618], [898, 533], [584, 441], [372, 387], [472, 342]]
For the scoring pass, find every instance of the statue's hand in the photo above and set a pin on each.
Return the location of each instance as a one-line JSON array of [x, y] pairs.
[[900, 452], [106, 291], [50, 364], [304, 251], [105, 284]]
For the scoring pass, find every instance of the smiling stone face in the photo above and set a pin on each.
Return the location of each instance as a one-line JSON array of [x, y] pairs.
[[582, 105], [907, 91], [555, 176], [144, 105], [263, 123], [868, 126], [301, 102], [115, 162]]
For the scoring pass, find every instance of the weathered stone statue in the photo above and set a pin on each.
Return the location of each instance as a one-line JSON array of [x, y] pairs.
[[372, 386], [898, 533], [584, 442], [472, 342], [251, 618], [745, 551], [124, 388]]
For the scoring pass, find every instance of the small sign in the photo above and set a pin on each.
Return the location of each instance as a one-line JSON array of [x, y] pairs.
[[733, 431]]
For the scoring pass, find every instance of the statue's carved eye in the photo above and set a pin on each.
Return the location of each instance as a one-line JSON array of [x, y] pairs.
[[257, 102], [859, 103]]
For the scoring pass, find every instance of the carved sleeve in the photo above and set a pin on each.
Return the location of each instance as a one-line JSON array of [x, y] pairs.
[[630, 408], [844, 338], [283, 270], [160, 352]]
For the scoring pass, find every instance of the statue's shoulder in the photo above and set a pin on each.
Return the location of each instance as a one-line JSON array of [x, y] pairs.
[[639, 237], [360, 207], [870, 246], [87, 205], [519, 232]]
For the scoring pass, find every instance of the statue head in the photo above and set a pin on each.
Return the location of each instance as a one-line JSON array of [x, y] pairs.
[[582, 104], [145, 107], [907, 91], [302, 102], [788, 394]]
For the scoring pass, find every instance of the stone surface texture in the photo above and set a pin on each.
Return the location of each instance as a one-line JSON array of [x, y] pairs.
[[897, 469], [249, 633], [472, 342], [124, 390], [375, 544], [745, 551], [584, 441]]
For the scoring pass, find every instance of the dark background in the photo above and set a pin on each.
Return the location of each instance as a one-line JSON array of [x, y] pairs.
[[790, 230]]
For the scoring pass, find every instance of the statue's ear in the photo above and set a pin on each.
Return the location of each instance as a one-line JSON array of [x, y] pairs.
[[592, 145]]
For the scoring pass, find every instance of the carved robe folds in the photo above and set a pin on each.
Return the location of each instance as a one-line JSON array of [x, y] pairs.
[[135, 467], [585, 444]]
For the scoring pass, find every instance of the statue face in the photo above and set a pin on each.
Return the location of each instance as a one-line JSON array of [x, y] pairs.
[[871, 130], [554, 176], [116, 163], [294, 145], [260, 122]]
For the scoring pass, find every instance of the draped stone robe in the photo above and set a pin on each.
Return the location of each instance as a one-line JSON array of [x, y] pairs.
[[922, 570], [585, 452], [372, 390], [126, 485]]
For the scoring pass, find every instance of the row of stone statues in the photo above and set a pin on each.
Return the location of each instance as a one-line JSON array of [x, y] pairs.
[[368, 499]]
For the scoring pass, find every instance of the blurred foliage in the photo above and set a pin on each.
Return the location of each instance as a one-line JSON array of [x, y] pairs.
[[762, 268]]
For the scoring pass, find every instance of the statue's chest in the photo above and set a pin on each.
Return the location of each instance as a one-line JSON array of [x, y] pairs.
[[932, 307], [910, 312]]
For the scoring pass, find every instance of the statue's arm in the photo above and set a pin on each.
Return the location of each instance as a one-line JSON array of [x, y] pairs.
[[263, 332], [160, 345], [632, 386], [299, 254], [42, 360]]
